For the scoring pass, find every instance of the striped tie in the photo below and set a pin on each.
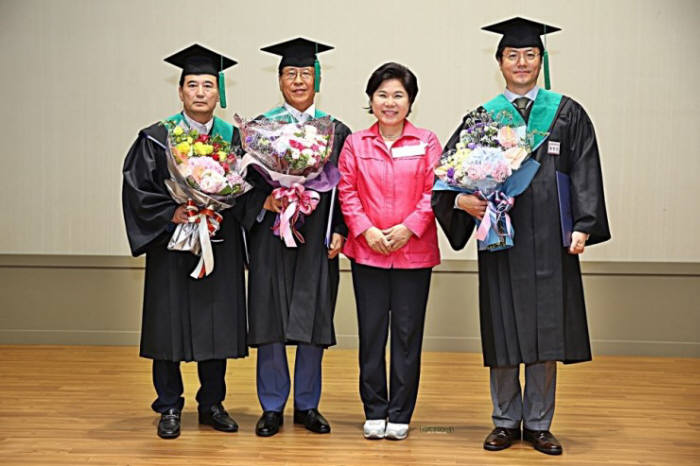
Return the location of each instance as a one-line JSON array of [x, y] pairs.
[[521, 103]]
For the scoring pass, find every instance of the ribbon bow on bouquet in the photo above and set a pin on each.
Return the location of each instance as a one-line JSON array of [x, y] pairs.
[[209, 222], [496, 213], [296, 201]]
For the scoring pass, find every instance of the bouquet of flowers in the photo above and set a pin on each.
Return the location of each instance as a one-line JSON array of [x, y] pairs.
[[205, 176], [491, 161], [206, 163], [297, 149], [292, 158]]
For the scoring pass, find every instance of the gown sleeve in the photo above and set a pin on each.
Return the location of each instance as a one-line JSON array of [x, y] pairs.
[[456, 223], [146, 203], [587, 197], [338, 224]]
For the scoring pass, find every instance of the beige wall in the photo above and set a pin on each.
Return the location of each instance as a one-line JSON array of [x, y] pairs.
[[80, 77], [633, 309]]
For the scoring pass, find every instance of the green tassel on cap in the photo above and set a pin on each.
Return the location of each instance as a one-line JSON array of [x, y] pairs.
[[547, 83], [545, 57], [317, 76], [222, 90]]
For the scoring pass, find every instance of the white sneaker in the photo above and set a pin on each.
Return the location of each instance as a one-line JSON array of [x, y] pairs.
[[374, 428], [396, 431]]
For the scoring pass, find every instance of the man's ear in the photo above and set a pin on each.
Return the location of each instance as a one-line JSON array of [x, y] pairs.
[[279, 82]]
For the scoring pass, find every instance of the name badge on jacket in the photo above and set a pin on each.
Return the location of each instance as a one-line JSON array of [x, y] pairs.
[[553, 147], [408, 151]]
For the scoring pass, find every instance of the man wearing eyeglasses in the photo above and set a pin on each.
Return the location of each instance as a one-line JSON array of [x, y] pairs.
[[292, 291], [532, 310]]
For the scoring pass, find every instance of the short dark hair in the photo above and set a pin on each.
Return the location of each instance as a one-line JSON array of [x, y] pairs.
[[183, 74], [393, 70]]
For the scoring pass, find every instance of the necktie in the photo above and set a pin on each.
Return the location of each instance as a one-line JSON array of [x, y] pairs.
[[521, 104]]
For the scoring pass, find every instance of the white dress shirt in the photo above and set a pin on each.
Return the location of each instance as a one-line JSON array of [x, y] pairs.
[[201, 128], [308, 114], [531, 94]]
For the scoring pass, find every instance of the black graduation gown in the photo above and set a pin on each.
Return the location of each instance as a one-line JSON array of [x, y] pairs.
[[531, 296], [184, 319], [292, 291]]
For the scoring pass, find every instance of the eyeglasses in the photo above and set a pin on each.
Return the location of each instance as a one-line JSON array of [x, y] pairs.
[[514, 57], [291, 75]]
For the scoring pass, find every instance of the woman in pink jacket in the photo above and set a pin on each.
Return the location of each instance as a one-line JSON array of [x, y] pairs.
[[385, 188]]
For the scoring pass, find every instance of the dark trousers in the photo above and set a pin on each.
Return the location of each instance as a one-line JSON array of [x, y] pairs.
[[167, 381], [273, 377], [396, 298]]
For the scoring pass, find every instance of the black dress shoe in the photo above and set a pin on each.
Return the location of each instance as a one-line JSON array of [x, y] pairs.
[[169, 424], [501, 438], [543, 440], [312, 420], [269, 424], [217, 417]]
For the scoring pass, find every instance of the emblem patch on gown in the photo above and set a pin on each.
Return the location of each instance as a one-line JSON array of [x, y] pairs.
[[553, 147]]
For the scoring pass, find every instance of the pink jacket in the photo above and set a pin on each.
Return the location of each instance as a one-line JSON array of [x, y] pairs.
[[380, 189]]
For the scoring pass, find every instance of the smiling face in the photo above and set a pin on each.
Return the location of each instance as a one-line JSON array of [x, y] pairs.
[[520, 68], [390, 103], [297, 86], [199, 94]]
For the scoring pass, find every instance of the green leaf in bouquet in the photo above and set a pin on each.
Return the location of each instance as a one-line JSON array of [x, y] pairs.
[[226, 191], [224, 145], [176, 156]]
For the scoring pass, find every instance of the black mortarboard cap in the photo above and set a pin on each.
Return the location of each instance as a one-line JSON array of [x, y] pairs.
[[196, 59], [299, 52], [521, 32]]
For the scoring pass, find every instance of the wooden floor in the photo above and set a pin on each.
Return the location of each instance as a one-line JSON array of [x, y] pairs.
[[90, 405]]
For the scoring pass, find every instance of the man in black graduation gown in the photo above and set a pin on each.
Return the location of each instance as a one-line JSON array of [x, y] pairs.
[[185, 319], [532, 309], [292, 291]]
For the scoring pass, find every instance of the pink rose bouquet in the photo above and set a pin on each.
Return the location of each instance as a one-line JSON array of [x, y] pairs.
[[205, 176]]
